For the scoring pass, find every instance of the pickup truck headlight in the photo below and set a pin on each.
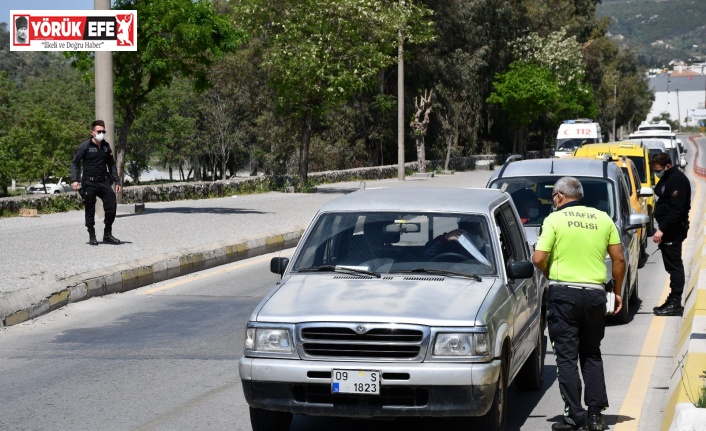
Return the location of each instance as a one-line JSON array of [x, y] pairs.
[[273, 340], [461, 344]]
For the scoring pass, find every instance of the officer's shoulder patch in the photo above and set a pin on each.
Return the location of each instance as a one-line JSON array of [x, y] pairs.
[[675, 193]]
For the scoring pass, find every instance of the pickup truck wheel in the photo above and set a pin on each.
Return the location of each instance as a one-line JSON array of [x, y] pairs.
[[531, 375], [57, 192], [267, 420], [496, 417]]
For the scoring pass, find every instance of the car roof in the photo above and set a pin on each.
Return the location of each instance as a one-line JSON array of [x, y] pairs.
[[436, 199], [652, 133], [631, 148], [559, 167]]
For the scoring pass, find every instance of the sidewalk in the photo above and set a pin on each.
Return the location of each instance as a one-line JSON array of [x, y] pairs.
[[46, 262]]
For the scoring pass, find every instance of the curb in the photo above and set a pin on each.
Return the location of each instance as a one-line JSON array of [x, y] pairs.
[[142, 272], [680, 412]]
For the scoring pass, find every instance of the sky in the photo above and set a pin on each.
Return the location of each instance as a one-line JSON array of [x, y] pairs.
[[7, 5]]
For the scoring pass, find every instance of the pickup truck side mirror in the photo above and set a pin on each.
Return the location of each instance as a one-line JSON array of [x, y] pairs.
[[279, 264], [521, 269]]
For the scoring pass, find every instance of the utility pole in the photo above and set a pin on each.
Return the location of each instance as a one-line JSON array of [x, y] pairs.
[[104, 85], [400, 108], [678, 113], [615, 105]]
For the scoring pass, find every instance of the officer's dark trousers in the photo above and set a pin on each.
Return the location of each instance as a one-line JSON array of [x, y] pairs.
[[576, 322], [103, 190], [671, 256]]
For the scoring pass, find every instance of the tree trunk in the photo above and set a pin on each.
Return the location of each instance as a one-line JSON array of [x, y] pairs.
[[449, 141], [421, 156], [307, 121], [122, 147]]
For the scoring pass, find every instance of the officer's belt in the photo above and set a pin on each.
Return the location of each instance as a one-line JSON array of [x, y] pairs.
[[573, 285], [101, 178]]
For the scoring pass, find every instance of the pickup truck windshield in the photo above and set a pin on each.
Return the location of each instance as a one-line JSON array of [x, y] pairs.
[[388, 243]]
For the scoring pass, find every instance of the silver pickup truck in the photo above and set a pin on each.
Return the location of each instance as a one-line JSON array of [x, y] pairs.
[[400, 302]]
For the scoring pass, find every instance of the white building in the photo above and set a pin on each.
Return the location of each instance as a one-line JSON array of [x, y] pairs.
[[681, 93]]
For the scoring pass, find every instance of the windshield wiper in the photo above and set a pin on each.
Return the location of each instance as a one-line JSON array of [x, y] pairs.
[[346, 269], [476, 277]]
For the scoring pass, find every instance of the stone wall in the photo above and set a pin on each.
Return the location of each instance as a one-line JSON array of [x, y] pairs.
[[212, 189]]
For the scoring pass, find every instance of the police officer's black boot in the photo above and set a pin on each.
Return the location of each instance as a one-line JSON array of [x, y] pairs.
[[670, 308], [108, 237], [92, 236]]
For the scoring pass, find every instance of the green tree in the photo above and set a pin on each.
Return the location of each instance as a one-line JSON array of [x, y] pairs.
[[166, 132], [619, 82], [525, 92], [175, 37], [470, 48], [320, 53], [45, 127]]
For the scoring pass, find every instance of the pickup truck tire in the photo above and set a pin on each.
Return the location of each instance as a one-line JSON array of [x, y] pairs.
[[268, 420], [531, 375], [496, 417]]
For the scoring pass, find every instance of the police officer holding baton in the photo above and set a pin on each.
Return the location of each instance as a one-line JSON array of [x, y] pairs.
[[672, 214], [571, 251]]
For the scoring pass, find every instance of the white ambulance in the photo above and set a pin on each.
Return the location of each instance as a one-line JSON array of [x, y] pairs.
[[574, 133]]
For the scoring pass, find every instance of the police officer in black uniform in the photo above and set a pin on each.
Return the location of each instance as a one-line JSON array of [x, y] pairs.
[[672, 214], [99, 172]]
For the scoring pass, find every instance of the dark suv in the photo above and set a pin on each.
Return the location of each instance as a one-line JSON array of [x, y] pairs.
[[604, 188]]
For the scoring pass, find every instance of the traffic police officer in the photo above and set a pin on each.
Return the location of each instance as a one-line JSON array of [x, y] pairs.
[[99, 171], [571, 251], [672, 214]]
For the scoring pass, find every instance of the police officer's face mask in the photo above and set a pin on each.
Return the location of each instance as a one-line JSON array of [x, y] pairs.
[[100, 136], [660, 173]]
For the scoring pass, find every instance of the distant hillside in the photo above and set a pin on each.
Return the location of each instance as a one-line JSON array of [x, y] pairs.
[[659, 30]]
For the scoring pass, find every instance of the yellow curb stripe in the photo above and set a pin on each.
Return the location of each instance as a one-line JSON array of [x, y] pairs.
[[690, 384], [202, 275]]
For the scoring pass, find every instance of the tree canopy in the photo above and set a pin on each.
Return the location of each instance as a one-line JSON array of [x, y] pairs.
[[284, 87]]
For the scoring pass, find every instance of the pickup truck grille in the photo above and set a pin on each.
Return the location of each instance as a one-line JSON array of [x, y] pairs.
[[362, 341]]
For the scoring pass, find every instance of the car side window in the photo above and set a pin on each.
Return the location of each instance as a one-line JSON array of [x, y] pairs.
[[512, 244], [624, 199]]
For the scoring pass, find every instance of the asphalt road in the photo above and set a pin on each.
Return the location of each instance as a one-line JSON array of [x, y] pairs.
[[165, 357]]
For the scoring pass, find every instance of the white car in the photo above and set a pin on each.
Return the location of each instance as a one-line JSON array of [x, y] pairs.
[[52, 187]]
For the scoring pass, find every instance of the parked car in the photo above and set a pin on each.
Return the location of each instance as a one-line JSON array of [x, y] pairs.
[[50, 186], [604, 188], [675, 148], [640, 155], [369, 321]]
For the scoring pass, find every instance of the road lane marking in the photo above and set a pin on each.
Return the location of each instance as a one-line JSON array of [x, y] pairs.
[[639, 384], [206, 274]]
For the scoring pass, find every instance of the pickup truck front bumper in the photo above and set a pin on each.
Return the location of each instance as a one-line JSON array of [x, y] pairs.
[[407, 389]]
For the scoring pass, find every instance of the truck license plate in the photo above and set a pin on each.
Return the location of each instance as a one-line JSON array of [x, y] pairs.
[[361, 382]]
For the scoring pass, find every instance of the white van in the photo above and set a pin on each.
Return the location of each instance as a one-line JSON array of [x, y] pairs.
[[674, 146], [574, 133], [654, 126]]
